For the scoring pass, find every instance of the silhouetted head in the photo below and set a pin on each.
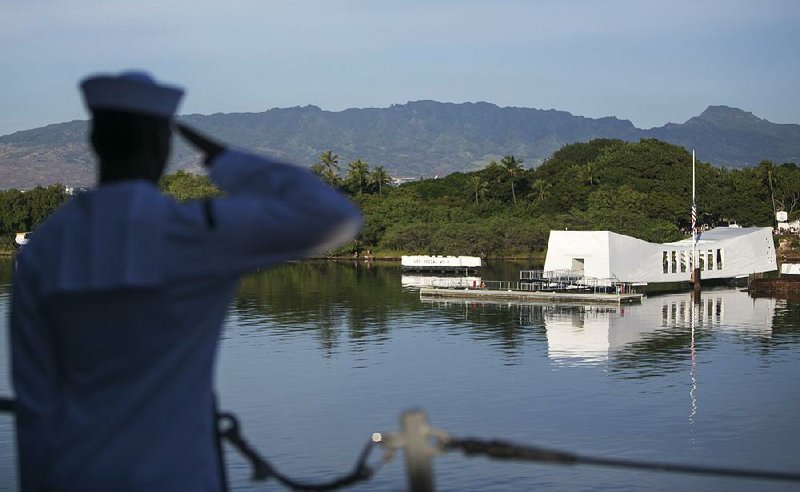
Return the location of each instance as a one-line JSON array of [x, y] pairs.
[[130, 131], [130, 145]]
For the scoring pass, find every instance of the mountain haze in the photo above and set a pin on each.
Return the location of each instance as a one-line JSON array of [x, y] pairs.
[[732, 137], [421, 138]]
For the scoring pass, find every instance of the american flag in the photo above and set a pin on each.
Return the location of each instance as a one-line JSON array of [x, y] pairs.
[[694, 215]]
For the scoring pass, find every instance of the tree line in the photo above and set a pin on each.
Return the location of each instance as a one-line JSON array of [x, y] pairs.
[[642, 189], [23, 210], [359, 179]]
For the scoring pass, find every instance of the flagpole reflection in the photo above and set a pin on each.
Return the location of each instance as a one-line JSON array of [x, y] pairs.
[[693, 372]]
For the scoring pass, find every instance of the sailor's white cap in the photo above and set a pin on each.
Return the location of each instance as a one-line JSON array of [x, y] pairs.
[[133, 91]]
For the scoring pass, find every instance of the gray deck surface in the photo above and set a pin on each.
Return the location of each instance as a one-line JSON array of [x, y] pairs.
[[538, 296]]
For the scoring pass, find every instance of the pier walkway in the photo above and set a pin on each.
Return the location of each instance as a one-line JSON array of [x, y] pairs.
[[533, 296]]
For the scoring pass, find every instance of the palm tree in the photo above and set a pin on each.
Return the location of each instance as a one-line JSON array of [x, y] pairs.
[[512, 164], [357, 175], [542, 189], [589, 173], [379, 178], [327, 167], [769, 169], [479, 187]]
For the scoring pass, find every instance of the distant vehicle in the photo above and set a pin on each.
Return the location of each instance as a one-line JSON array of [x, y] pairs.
[[21, 239]]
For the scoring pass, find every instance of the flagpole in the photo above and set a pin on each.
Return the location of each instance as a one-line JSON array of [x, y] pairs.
[[695, 262], [694, 216]]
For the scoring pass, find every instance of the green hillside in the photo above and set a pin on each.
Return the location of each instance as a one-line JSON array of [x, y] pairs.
[[507, 208]]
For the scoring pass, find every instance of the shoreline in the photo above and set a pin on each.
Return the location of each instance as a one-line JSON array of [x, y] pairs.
[[398, 258], [7, 253]]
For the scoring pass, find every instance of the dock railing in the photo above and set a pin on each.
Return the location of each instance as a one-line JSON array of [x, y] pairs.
[[500, 285], [569, 280]]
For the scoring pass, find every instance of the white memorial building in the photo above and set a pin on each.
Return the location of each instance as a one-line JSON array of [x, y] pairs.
[[723, 252]]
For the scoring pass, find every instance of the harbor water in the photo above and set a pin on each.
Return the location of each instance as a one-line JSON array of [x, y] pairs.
[[315, 357]]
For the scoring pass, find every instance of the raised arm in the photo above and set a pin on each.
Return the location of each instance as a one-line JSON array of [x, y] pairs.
[[272, 212]]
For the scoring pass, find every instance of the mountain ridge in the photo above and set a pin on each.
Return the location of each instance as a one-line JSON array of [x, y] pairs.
[[418, 138]]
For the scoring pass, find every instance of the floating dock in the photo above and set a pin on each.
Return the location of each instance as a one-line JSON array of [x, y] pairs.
[[533, 296]]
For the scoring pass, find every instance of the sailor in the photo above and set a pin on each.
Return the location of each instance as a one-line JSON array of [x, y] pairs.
[[119, 298]]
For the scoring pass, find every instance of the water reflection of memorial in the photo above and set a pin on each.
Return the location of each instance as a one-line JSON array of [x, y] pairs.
[[648, 338], [658, 332], [440, 281]]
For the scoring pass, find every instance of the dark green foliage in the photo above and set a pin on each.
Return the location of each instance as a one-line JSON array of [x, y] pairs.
[[188, 186], [357, 179], [639, 189], [23, 211], [327, 168]]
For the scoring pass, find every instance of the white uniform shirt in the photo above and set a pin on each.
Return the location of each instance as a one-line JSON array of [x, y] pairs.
[[116, 313]]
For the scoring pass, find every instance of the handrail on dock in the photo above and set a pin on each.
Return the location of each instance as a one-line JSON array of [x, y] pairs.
[[564, 279]]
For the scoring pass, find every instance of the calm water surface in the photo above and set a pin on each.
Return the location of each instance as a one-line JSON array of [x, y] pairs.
[[317, 356]]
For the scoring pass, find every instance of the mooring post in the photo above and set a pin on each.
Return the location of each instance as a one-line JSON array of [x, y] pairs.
[[418, 451]]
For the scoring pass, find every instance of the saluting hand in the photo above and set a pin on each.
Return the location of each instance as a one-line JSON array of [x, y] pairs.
[[208, 147]]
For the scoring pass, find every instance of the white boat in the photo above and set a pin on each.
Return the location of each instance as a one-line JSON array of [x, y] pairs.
[[21, 239], [440, 263]]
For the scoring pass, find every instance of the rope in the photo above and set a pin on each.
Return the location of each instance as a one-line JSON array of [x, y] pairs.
[[509, 451], [262, 469], [228, 428]]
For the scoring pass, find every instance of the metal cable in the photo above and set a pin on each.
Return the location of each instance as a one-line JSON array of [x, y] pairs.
[[497, 449], [229, 429], [262, 469], [504, 450]]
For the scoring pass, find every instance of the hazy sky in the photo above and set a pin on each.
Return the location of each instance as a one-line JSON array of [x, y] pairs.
[[651, 62]]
